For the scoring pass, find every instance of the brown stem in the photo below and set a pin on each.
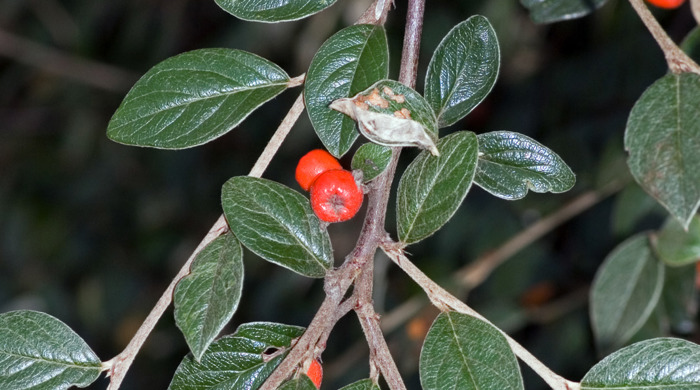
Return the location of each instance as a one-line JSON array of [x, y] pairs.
[[678, 61], [411, 42]]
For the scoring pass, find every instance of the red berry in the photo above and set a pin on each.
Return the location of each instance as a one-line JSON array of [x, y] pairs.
[[335, 196], [313, 164], [315, 373], [668, 4]]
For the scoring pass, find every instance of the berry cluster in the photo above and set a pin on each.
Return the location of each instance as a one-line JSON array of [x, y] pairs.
[[668, 4], [335, 195]]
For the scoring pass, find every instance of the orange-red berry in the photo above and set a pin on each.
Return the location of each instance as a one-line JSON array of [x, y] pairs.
[[312, 165], [315, 373], [335, 196], [667, 4]]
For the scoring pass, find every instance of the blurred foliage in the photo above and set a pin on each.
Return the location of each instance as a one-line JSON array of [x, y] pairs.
[[92, 231]]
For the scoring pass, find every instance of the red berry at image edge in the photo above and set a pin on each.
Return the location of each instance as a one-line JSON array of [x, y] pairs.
[[667, 4], [312, 164], [335, 196], [315, 373]]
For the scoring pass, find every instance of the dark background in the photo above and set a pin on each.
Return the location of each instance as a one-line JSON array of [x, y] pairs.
[[92, 231]]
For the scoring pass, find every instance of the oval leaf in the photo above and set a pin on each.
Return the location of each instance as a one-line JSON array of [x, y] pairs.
[[301, 383], [663, 139], [432, 188], [364, 384], [625, 291], [463, 352], [39, 352], [348, 62], [273, 10], [676, 246], [371, 159], [277, 223], [657, 364], [510, 164], [463, 70], [680, 299], [206, 299], [550, 11], [242, 361], [195, 97]]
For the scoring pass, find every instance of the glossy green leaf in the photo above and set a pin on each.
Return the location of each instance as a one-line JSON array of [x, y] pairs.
[[277, 223], [206, 299], [273, 10], [510, 164], [463, 352], [463, 70], [39, 352], [663, 139], [432, 188], [371, 159], [656, 364], [550, 11], [301, 383], [364, 384], [680, 300], [241, 361], [676, 246], [195, 97], [348, 62], [625, 291]]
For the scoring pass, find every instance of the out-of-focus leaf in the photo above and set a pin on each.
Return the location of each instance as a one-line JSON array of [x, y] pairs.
[[241, 361], [432, 187], [550, 11], [364, 384], [206, 299], [676, 246], [463, 70], [625, 291], [691, 44], [663, 139], [301, 383], [463, 352], [271, 11], [680, 300], [656, 364], [371, 159], [277, 223], [39, 352], [348, 62], [392, 114], [631, 205], [511, 163], [195, 97]]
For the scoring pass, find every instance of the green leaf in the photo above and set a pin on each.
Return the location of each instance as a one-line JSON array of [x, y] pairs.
[[241, 361], [550, 11], [348, 62], [657, 364], [625, 291], [277, 223], [463, 70], [271, 11], [364, 384], [206, 299], [371, 159], [432, 188], [691, 44], [679, 298], [195, 97], [663, 139], [463, 352], [511, 163], [39, 352], [301, 383], [676, 246]]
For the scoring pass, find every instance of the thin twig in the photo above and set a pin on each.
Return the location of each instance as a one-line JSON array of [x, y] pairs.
[[119, 365], [695, 9], [94, 74], [447, 302], [678, 61], [411, 42], [476, 272]]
